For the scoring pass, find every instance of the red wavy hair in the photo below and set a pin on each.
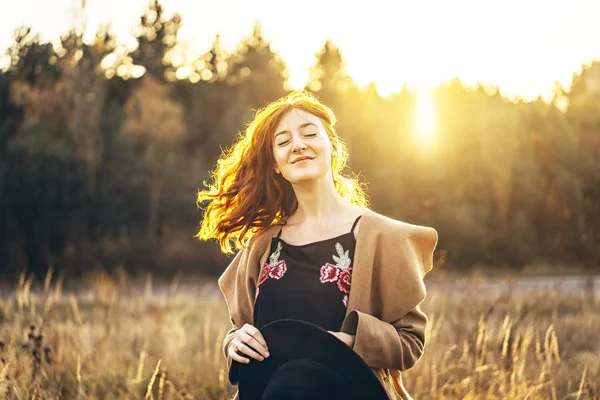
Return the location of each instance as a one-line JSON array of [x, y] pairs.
[[246, 195]]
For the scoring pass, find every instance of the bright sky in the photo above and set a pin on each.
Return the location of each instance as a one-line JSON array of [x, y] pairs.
[[524, 46]]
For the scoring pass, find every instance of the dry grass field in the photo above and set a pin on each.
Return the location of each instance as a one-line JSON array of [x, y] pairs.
[[114, 339]]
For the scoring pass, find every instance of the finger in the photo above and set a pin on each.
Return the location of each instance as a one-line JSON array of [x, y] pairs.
[[236, 357], [254, 344], [256, 334], [243, 348]]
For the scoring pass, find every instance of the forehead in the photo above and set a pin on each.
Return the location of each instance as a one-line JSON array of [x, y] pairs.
[[296, 117]]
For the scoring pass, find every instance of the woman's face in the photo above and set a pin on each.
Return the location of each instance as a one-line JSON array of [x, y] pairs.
[[301, 147]]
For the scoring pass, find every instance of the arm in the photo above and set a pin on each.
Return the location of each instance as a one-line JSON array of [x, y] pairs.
[[390, 329], [238, 285], [233, 287], [398, 345]]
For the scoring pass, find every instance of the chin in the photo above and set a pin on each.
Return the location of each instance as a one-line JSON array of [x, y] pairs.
[[306, 177]]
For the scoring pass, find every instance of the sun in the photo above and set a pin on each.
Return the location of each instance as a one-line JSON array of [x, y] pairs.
[[425, 117]]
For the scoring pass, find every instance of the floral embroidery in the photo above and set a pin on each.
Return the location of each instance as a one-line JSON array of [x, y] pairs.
[[278, 270], [274, 269], [329, 273], [341, 272], [342, 260], [344, 280], [264, 275]]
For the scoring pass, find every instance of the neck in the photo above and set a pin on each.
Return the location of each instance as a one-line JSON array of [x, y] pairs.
[[318, 201]]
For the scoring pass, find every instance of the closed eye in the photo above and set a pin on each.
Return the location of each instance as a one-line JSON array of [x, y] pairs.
[[287, 141]]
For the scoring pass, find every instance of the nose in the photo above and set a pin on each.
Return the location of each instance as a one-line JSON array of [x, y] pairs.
[[298, 145]]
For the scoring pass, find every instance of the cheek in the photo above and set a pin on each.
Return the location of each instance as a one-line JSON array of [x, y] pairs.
[[325, 163], [280, 156]]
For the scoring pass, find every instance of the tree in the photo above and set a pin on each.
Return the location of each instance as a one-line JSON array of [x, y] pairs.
[[152, 113], [213, 64], [42, 185], [328, 77], [583, 111], [156, 36], [256, 72], [31, 59]]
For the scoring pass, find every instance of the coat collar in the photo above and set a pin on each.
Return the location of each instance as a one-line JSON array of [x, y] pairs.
[[364, 255]]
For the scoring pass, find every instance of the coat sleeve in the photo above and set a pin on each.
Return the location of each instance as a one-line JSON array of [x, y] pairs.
[[396, 345], [393, 336], [238, 292]]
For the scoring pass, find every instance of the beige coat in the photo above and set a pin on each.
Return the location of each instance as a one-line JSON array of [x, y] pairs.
[[390, 260]]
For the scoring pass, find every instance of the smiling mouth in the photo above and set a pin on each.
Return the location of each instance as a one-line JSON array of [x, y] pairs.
[[301, 159]]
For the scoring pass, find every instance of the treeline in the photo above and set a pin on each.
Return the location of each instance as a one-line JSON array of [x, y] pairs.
[[102, 151]]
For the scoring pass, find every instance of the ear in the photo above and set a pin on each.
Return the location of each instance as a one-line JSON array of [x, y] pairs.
[[277, 171], [334, 150]]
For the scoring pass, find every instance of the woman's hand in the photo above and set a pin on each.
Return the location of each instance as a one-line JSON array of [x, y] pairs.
[[248, 341], [344, 337]]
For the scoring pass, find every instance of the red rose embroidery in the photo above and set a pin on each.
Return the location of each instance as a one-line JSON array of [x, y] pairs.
[[340, 272], [329, 273], [264, 274], [278, 270], [345, 279]]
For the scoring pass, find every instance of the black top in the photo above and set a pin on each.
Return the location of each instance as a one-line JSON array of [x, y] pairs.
[[310, 282]]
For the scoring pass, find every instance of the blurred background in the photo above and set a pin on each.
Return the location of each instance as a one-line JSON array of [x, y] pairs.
[[481, 121], [479, 118]]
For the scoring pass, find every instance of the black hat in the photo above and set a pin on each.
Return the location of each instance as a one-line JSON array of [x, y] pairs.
[[307, 362]]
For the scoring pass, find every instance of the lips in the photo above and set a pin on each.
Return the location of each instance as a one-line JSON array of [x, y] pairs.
[[301, 159]]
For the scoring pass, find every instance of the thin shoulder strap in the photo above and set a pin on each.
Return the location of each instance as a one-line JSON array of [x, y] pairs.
[[354, 224]]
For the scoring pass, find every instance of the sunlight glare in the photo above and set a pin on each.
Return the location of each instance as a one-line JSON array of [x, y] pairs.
[[4, 63], [424, 117]]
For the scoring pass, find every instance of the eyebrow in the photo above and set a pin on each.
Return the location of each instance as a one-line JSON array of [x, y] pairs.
[[300, 127]]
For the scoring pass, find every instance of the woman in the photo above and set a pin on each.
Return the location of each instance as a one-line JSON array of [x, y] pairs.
[[310, 247]]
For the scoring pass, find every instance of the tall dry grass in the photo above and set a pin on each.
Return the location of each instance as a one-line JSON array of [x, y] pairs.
[[118, 340]]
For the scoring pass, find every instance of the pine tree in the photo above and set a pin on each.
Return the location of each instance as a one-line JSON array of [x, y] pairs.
[[256, 70], [156, 36], [328, 76]]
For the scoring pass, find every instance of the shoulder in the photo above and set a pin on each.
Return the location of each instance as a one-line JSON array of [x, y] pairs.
[[258, 243], [260, 240], [375, 223], [398, 239], [249, 256]]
